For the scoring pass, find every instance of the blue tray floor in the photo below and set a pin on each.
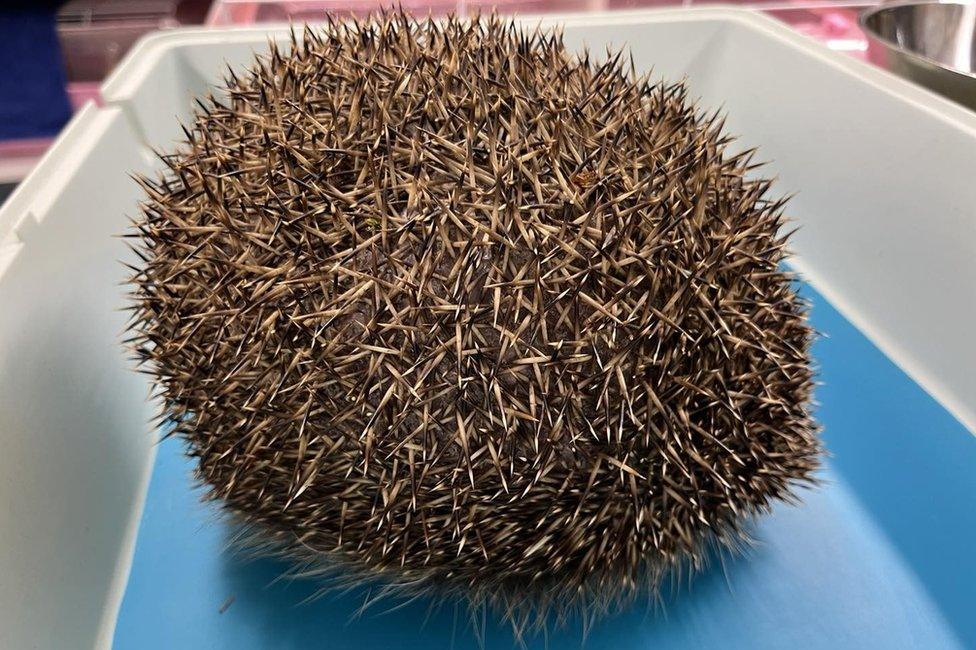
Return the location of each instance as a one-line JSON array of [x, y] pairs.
[[872, 559]]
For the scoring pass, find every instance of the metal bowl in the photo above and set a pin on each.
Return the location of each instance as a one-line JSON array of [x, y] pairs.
[[931, 43]]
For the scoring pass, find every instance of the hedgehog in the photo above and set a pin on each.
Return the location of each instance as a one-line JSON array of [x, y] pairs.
[[441, 304]]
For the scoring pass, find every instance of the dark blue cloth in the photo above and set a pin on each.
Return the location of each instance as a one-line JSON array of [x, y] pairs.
[[33, 99]]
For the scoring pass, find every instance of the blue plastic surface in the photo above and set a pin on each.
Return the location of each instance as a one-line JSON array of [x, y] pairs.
[[877, 558]]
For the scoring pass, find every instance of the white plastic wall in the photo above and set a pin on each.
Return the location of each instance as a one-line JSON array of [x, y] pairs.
[[75, 445]]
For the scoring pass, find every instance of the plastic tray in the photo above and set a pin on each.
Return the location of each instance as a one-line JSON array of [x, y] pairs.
[[883, 553]]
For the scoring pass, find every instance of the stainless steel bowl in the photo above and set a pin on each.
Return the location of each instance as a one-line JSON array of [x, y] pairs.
[[931, 43]]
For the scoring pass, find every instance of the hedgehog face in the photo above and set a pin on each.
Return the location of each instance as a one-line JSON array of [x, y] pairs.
[[443, 303]]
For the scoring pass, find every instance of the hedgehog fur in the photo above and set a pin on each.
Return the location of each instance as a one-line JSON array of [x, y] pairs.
[[439, 303]]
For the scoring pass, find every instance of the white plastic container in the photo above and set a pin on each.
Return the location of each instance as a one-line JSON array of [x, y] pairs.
[[887, 208]]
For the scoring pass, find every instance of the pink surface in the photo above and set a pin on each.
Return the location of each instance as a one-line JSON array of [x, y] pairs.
[[833, 22]]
